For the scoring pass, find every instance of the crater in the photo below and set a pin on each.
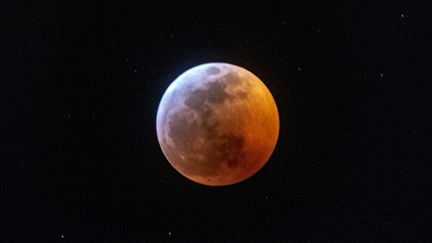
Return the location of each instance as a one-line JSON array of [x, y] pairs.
[[213, 70], [241, 94]]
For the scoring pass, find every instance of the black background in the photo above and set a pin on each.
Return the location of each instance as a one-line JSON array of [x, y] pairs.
[[81, 83]]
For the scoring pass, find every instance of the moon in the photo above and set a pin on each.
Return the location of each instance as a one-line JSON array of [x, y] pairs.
[[217, 124]]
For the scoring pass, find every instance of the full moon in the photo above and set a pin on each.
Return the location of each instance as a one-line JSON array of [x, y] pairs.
[[217, 124]]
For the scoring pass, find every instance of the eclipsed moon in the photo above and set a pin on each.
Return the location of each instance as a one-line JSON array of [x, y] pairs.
[[217, 124]]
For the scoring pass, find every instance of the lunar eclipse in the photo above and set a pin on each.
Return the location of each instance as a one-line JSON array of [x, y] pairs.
[[217, 124]]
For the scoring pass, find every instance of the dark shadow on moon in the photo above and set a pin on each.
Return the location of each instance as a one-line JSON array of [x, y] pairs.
[[215, 93], [216, 148]]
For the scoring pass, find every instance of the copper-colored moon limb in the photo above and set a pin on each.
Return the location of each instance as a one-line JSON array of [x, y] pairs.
[[217, 124]]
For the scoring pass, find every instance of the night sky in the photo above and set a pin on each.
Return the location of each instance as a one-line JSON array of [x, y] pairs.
[[80, 85]]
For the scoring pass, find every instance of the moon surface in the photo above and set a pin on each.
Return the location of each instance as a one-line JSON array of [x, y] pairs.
[[217, 124]]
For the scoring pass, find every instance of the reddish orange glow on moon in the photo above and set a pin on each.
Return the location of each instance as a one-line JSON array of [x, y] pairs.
[[217, 124]]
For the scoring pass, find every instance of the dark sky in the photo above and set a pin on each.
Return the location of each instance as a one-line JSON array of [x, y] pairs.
[[79, 89]]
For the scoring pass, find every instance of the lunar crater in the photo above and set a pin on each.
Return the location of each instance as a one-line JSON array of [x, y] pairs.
[[213, 70]]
